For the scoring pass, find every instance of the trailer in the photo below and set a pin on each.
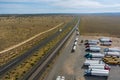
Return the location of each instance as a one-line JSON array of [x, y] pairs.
[[89, 62], [94, 55], [87, 46], [96, 72], [104, 67], [112, 54], [93, 49], [105, 39], [106, 43], [91, 43], [98, 64], [111, 50], [96, 41], [94, 58]]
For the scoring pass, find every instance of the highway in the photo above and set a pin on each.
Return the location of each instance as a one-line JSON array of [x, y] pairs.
[[35, 73]]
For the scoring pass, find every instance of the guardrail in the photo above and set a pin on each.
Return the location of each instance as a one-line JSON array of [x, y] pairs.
[[37, 71]]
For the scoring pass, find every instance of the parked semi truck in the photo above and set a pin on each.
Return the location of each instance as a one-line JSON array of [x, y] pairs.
[[96, 72], [91, 46], [94, 55], [105, 39], [96, 41], [111, 50], [93, 49], [104, 67], [88, 62], [98, 64], [112, 54], [91, 43]]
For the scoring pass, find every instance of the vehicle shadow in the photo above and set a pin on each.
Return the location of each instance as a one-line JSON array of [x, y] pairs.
[[84, 67]]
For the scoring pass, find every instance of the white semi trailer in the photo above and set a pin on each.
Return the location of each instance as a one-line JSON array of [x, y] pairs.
[[88, 62], [92, 40], [94, 55], [98, 64], [111, 50], [91, 43], [93, 49], [105, 39], [104, 67], [112, 54], [96, 72]]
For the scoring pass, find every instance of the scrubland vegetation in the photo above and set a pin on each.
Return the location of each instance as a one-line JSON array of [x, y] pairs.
[[20, 70], [100, 25], [17, 29], [14, 30]]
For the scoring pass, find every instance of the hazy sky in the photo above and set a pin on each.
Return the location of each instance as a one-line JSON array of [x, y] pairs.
[[58, 6]]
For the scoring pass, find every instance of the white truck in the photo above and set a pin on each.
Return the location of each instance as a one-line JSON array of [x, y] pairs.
[[106, 43], [91, 46], [92, 40], [112, 54], [74, 48], [104, 67], [89, 62], [111, 50], [94, 55], [91, 43], [98, 64], [93, 49], [105, 39], [96, 72]]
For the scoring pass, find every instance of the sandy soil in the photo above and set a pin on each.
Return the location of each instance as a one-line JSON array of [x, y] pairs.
[[17, 45]]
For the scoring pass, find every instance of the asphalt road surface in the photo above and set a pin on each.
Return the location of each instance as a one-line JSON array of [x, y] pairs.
[[70, 64]]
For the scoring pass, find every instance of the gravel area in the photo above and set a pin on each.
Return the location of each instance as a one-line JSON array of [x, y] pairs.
[[70, 64]]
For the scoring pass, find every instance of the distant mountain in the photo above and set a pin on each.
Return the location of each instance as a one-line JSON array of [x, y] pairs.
[[107, 14], [47, 14]]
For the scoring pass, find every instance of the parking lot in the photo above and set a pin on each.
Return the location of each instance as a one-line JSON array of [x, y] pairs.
[[70, 64], [115, 69]]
